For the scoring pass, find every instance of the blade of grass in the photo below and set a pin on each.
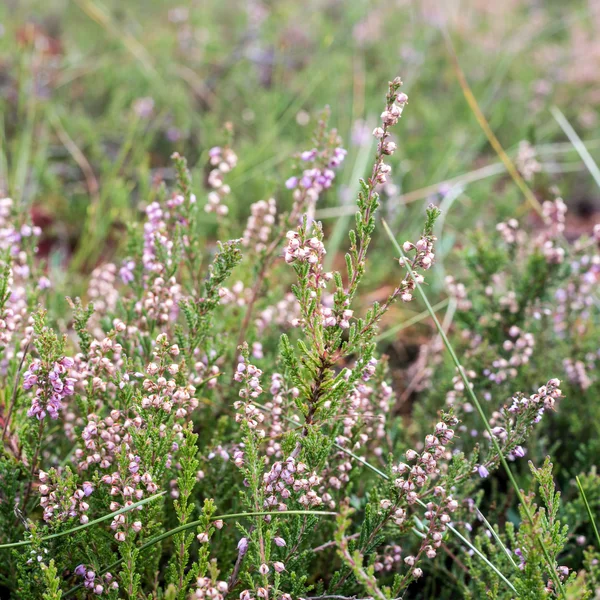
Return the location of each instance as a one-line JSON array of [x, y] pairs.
[[192, 524], [86, 525], [453, 194], [24, 152], [497, 538], [491, 170], [97, 14], [483, 123], [477, 404], [409, 322], [589, 511], [76, 153], [577, 142]]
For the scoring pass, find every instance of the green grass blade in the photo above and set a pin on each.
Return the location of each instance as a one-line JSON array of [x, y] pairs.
[[388, 333], [589, 511], [497, 538], [578, 144]]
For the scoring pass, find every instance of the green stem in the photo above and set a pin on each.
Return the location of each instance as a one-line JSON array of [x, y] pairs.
[[589, 511]]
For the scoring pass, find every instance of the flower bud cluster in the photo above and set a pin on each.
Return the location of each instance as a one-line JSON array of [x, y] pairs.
[[420, 468], [365, 416], [102, 290], [287, 478], [520, 345], [160, 302], [248, 413], [396, 101], [260, 223], [576, 296], [276, 411], [330, 319], [52, 385], [105, 360], [583, 374], [544, 399], [388, 560], [204, 373], [284, 314], [526, 161], [510, 231], [311, 250], [98, 584], [12, 238], [237, 294], [555, 215], [60, 502], [209, 589], [221, 160], [423, 259], [458, 291], [303, 250], [319, 176], [166, 394], [438, 515], [458, 389]]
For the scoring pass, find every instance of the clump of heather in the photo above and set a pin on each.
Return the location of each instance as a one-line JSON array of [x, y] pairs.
[[215, 419]]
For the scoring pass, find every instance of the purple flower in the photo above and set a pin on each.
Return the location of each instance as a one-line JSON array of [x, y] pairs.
[[521, 558], [519, 451], [126, 271], [88, 488], [243, 546], [52, 387], [308, 155], [291, 183], [80, 570], [44, 283], [483, 472]]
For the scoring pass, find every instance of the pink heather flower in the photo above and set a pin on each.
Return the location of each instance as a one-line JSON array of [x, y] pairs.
[[44, 283], [243, 546], [80, 570], [519, 451], [52, 387], [126, 271], [483, 472]]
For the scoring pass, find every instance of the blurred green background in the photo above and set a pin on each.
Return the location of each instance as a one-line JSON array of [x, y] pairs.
[[96, 96]]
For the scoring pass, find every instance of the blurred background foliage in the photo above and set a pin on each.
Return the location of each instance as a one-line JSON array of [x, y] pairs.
[[96, 96]]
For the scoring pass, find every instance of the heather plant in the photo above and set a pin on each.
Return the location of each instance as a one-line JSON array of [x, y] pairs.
[[215, 420]]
